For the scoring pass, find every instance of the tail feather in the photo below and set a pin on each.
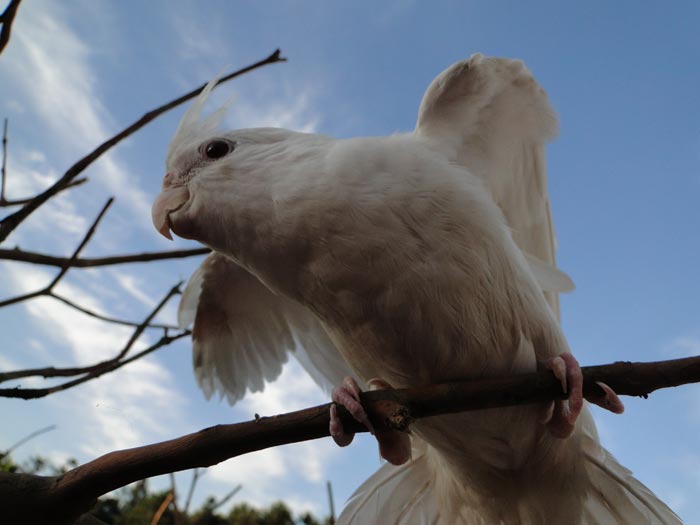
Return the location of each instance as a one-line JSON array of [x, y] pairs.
[[617, 497], [411, 494], [399, 495]]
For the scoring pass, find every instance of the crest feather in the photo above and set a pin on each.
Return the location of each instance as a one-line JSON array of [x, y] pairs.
[[194, 128]]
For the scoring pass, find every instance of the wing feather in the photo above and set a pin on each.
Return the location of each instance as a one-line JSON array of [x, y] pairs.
[[491, 116], [243, 332]]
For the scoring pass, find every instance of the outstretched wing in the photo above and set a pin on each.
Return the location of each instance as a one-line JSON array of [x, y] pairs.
[[491, 116], [243, 332]]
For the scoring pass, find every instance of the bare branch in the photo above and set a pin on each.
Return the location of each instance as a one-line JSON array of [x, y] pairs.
[[9, 223], [156, 517], [106, 318], [227, 497], [64, 269], [30, 437], [61, 498], [190, 492], [91, 372], [3, 170], [21, 202], [6, 19], [35, 393], [16, 254]]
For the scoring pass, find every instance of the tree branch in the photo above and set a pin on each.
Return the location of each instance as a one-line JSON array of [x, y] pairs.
[[4, 203], [31, 499], [16, 254], [6, 19], [88, 373], [9, 223], [29, 437], [35, 393], [106, 318], [64, 269], [3, 170]]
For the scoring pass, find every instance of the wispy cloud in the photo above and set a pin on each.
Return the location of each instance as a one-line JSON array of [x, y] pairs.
[[683, 346], [54, 80], [127, 407]]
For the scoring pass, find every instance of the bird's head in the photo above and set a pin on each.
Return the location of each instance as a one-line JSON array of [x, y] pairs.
[[211, 174]]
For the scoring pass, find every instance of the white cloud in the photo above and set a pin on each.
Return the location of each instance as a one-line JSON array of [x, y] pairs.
[[296, 114], [134, 287], [293, 390], [126, 406], [46, 52], [684, 346]]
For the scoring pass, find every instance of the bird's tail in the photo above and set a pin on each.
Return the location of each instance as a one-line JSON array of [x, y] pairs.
[[615, 496], [412, 494], [394, 495]]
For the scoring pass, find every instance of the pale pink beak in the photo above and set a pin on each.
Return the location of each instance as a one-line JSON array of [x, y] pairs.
[[171, 198]]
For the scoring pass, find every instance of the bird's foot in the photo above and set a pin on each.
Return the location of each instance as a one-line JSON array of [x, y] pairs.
[[560, 415], [394, 446], [347, 395]]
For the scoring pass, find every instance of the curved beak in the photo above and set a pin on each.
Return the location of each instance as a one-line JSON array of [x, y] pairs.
[[171, 198]]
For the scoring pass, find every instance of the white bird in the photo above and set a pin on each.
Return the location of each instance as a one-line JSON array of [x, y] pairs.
[[417, 258]]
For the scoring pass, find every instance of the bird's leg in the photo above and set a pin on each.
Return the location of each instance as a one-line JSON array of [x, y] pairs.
[[394, 446], [561, 415]]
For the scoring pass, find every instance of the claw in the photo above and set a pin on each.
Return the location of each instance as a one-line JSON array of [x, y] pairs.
[[394, 446], [608, 400], [562, 414], [347, 395]]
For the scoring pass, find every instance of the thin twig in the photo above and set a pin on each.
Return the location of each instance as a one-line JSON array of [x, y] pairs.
[[35, 393], [6, 19], [106, 318], [97, 369], [64, 269], [30, 437], [227, 497], [35, 497], [161, 509], [16, 254], [9, 223], [190, 492], [21, 202], [3, 170]]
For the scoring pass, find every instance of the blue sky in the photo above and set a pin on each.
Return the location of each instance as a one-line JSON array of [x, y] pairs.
[[623, 177]]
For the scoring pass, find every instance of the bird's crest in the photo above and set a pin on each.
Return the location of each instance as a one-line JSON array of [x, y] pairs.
[[194, 128]]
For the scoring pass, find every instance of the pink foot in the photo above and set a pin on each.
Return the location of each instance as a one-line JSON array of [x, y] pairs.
[[561, 415], [394, 446], [347, 395]]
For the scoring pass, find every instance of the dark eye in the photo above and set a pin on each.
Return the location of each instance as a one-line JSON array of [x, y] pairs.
[[218, 148]]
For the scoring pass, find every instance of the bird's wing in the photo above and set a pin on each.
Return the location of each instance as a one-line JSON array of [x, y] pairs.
[[243, 332], [491, 116]]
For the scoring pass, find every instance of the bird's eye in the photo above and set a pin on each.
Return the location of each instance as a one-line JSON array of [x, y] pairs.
[[217, 149]]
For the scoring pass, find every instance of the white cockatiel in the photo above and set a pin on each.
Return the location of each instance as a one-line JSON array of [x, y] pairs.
[[417, 258]]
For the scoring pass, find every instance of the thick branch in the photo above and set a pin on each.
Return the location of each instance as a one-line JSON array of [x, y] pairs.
[[16, 254], [9, 223], [64, 497], [6, 19]]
